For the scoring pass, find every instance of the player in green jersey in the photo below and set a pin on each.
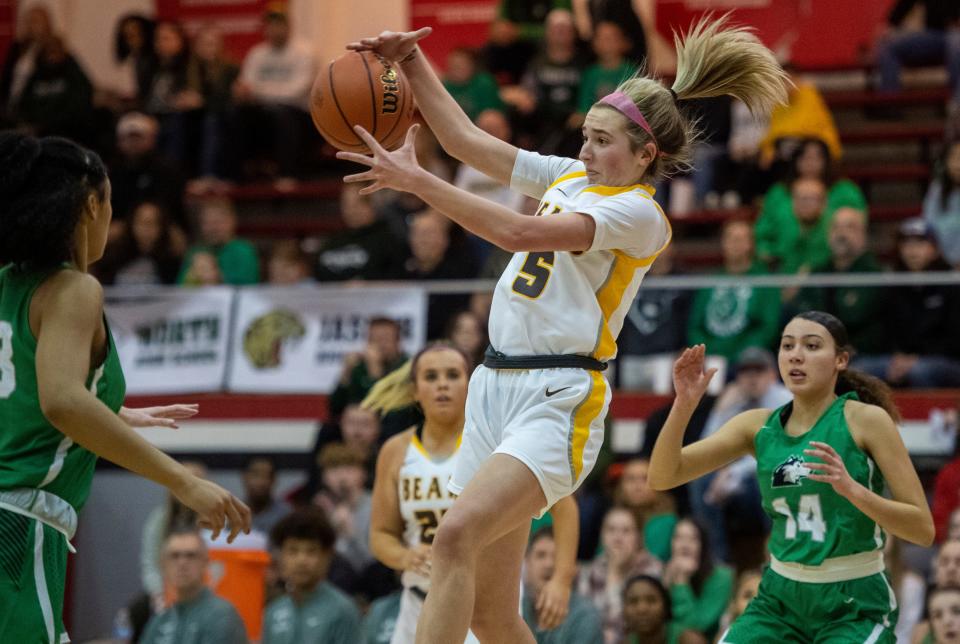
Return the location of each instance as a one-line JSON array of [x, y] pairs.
[[822, 460], [61, 386]]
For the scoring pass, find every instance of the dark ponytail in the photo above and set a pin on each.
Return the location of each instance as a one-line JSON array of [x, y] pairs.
[[869, 389], [44, 187]]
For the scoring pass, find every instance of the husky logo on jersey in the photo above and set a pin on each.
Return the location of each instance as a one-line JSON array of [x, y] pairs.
[[791, 472]]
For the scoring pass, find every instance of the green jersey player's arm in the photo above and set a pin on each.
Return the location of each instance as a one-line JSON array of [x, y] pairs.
[[66, 315], [907, 514]]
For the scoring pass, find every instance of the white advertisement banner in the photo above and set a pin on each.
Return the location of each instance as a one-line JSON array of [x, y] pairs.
[[171, 340], [294, 339]]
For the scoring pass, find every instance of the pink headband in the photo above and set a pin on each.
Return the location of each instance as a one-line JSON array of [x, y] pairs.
[[625, 105]]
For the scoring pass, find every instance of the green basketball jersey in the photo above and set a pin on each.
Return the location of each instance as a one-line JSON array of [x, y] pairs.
[[34, 453], [811, 522]]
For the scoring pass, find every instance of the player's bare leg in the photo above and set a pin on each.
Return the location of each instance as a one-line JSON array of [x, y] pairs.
[[496, 617]]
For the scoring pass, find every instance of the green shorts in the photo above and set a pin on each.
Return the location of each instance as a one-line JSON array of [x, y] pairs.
[[860, 610], [33, 565]]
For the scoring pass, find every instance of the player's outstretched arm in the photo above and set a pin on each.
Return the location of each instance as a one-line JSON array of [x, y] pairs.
[[71, 312], [553, 602], [453, 128], [671, 464]]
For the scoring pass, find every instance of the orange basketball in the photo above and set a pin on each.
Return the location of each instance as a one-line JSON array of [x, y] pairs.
[[360, 88]]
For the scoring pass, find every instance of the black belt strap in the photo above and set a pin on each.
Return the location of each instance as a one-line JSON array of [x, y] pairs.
[[418, 592], [493, 359]]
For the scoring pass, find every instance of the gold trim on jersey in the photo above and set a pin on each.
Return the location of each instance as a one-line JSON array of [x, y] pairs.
[[609, 191], [565, 177], [415, 440], [583, 416]]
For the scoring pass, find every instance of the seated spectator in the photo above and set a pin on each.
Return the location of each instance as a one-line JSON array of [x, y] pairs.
[[505, 55], [147, 252], [202, 270], [272, 96], [921, 320], [288, 264], [636, 19], [57, 99], [653, 510], [941, 206], [699, 587], [360, 431], [782, 218], [133, 64], [648, 614], [474, 90], [467, 332], [946, 574], [943, 606], [381, 355], [728, 319], [345, 500], [908, 588], [34, 29], [528, 15], [259, 477], [740, 179], [938, 42], [603, 579], [582, 623], [237, 258], [140, 173], [748, 583], [858, 307], [727, 501], [366, 249], [312, 611], [802, 244], [610, 46], [714, 118], [197, 615], [381, 619], [169, 96]]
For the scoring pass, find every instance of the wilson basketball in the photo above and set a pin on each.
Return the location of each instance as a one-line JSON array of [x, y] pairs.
[[359, 88]]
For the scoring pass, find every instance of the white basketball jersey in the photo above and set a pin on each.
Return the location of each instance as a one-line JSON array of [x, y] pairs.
[[559, 302], [424, 498]]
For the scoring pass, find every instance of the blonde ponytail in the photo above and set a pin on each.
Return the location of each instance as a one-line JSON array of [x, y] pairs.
[[393, 391]]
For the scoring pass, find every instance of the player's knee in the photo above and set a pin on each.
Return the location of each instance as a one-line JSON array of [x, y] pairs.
[[454, 539], [491, 625]]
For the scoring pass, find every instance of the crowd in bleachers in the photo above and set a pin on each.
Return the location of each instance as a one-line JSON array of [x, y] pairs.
[[181, 125]]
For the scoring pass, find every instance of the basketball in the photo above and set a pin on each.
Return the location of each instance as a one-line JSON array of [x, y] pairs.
[[359, 88]]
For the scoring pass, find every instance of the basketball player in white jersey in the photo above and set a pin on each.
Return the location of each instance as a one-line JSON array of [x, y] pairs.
[[535, 411], [410, 492]]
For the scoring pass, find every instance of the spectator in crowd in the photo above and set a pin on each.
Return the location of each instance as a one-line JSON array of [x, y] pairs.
[[610, 46], [582, 623], [467, 332], [908, 588], [728, 319], [941, 206], [946, 566], [57, 98], [360, 431], [921, 320], [546, 98], [168, 517], [505, 55], [801, 242], [727, 502], [381, 355], [602, 580], [237, 258], [432, 257], [654, 330], [259, 478], [699, 587], [858, 307], [287, 264], [381, 619], [637, 18], [937, 42], [654, 511], [169, 96], [133, 64], [946, 490], [212, 76], [33, 32], [529, 15], [740, 178], [648, 614], [366, 249], [748, 583], [272, 94], [943, 606], [473, 89], [197, 615], [140, 173], [312, 611], [202, 269], [714, 117], [345, 500], [782, 218], [148, 251]]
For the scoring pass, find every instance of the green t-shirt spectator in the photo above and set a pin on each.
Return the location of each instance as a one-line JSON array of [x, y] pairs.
[[359, 385], [529, 15], [728, 319], [208, 619], [702, 612], [581, 625], [780, 236], [673, 634], [381, 619], [598, 81], [326, 616], [476, 95], [238, 261]]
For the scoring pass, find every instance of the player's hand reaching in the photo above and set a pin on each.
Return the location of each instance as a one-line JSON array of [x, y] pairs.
[[398, 169], [553, 602], [392, 45], [831, 470], [418, 560], [163, 416], [215, 507], [690, 381]]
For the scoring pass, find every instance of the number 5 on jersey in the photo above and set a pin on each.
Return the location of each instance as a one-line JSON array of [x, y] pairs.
[[534, 274]]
